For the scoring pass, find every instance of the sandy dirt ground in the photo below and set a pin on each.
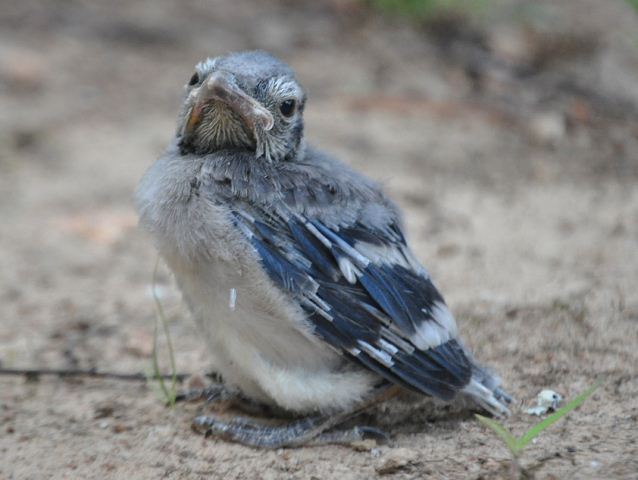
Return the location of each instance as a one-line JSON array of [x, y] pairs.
[[511, 142]]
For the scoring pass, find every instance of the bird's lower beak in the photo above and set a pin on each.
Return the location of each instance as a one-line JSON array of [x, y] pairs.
[[219, 87]]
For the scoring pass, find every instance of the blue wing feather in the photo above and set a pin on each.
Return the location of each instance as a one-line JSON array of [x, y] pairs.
[[371, 320], [313, 249]]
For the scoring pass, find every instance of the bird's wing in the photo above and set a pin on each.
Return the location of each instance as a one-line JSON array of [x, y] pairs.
[[365, 295]]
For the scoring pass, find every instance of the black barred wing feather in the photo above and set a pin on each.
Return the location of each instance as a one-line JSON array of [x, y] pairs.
[[365, 295]]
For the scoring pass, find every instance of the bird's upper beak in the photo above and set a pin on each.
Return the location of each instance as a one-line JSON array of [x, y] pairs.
[[220, 86]]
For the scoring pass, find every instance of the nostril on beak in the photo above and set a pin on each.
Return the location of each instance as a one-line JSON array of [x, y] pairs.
[[221, 86]]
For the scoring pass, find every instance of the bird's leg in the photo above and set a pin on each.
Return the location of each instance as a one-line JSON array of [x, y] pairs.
[[211, 393], [311, 430], [306, 431], [218, 393]]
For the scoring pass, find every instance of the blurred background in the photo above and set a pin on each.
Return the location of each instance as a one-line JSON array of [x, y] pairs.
[[507, 130]]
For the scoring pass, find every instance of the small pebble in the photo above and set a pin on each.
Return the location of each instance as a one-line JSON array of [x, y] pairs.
[[397, 459], [546, 400]]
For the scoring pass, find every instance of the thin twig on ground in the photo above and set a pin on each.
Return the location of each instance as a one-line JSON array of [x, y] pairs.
[[90, 373]]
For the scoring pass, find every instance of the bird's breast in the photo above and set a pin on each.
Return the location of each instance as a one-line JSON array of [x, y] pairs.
[[258, 336]]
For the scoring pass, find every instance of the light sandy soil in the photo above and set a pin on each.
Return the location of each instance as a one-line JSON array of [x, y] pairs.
[[520, 197]]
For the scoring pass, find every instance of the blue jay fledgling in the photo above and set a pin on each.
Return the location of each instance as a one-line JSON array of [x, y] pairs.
[[295, 267]]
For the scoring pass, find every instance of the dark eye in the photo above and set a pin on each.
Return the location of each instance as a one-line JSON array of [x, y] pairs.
[[194, 80], [287, 107]]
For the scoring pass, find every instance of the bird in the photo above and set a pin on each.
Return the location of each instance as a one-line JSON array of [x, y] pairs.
[[295, 267]]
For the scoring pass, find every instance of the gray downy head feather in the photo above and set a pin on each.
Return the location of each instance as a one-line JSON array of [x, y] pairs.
[[243, 101]]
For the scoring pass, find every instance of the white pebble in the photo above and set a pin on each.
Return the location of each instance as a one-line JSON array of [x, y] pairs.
[[546, 400]]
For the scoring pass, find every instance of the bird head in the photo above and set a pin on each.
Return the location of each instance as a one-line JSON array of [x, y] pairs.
[[245, 101]]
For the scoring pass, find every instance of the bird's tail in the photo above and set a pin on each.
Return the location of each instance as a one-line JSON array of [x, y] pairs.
[[484, 391]]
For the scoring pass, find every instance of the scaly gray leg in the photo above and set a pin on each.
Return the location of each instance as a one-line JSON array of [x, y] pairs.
[[311, 430], [307, 431]]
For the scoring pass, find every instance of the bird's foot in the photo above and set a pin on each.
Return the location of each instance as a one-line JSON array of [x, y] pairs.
[[350, 436], [501, 395], [311, 430]]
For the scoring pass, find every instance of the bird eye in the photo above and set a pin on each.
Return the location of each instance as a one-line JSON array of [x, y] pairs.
[[194, 80], [287, 107]]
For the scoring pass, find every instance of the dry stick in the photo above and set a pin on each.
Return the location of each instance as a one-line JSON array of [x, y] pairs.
[[91, 373]]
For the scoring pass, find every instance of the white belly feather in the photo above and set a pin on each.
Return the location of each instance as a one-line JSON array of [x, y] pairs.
[[263, 345]]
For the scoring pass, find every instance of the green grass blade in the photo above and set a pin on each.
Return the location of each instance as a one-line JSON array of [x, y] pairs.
[[509, 439], [170, 393], [556, 416], [156, 374]]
